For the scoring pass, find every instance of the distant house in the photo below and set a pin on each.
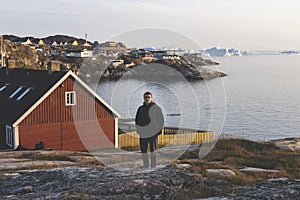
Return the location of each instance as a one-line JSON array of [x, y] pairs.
[[86, 44], [54, 44], [178, 52], [147, 56], [41, 42], [75, 43], [129, 64], [54, 65], [174, 54], [86, 53], [79, 53], [28, 42], [73, 53], [53, 110], [158, 54], [171, 57], [116, 63], [39, 50]]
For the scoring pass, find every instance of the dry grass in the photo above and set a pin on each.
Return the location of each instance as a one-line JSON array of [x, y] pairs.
[[51, 157], [235, 154]]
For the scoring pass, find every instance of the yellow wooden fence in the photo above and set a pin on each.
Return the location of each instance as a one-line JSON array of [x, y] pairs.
[[170, 136]]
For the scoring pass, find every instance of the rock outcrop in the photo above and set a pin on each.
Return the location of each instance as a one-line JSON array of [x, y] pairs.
[[292, 144], [186, 68], [24, 56]]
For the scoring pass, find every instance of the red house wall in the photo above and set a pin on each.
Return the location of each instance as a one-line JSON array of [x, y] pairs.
[[62, 127]]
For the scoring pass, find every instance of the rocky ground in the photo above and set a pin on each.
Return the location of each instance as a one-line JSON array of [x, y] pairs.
[[280, 188], [98, 183], [75, 175], [172, 182]]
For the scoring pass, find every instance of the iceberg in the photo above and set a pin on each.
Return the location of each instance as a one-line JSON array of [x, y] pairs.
[[216, 51], [235, 52]]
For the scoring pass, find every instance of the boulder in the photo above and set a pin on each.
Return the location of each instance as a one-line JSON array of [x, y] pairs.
[[221, 172], [184, 166], [286, 147], [253, 169]]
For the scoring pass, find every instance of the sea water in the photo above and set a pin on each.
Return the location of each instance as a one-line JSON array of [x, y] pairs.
[[259, 99]]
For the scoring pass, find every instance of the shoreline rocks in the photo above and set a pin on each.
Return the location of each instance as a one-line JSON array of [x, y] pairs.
[[291, 144]]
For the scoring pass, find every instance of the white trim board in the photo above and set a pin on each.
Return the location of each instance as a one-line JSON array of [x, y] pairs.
[[116, 133]]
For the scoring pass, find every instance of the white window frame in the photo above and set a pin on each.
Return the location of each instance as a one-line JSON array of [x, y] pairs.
[[70, 98], [9, 136]]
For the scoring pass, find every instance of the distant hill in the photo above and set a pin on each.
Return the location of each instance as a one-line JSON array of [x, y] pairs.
[[47, 40]]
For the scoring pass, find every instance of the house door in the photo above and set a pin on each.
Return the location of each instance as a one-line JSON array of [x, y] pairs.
[[9, 136]]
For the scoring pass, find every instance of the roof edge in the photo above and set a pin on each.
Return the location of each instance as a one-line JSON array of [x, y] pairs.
[[69, 73]]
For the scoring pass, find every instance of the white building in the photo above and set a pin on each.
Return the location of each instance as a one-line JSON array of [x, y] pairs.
[[80, 54], [54, 44]]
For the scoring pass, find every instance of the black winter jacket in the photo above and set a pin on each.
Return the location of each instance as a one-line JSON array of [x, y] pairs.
[[149, 120]]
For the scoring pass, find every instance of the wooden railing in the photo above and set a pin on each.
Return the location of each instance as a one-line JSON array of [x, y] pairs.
[[171, 136]]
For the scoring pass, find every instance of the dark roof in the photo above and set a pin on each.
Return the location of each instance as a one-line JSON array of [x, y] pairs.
[[22, 88]]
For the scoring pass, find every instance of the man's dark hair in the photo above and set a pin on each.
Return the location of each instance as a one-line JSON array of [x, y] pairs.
[[148, 93]]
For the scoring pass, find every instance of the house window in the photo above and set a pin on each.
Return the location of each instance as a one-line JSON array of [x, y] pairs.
[[70, 98], [9, 136]]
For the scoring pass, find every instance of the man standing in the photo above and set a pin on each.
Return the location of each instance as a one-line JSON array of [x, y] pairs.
[[149, 122]]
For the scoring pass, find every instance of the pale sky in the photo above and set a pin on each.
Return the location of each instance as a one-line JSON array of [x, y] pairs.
[[243, 24]]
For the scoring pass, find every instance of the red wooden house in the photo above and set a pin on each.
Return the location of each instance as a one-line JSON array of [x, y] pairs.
[[54, 110]]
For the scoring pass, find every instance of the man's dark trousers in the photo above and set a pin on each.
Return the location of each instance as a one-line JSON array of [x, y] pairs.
[[152, 142]]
